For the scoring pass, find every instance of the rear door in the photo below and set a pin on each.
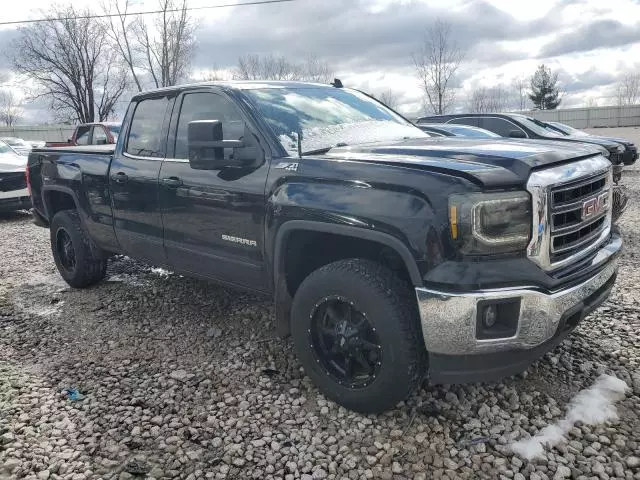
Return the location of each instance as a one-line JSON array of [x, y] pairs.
[[213, 219], [133, 180]]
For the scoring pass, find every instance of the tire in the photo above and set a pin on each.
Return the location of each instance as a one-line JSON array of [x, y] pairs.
[[82, 264], [389, 307]]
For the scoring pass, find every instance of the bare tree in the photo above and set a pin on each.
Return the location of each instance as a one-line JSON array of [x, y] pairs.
[[390, 98], [520, 85], [120, 29], [315, 69], [215, 74], [165, 49], [436, 64], [478, 100], [592, 102], [278, 67], [10, 108], [484, 100], [71, 63], [629, 89]]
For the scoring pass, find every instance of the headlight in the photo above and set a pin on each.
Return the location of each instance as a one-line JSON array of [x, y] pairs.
[[620, 149], [483, 223]]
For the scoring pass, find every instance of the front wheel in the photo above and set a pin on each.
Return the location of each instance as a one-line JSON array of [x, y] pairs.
[[356, 331], [78, 260]]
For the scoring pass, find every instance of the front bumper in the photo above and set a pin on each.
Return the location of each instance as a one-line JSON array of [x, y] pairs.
[[449, 320]]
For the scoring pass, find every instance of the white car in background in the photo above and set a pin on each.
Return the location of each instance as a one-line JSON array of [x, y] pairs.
[[18, 145], [14, 194]]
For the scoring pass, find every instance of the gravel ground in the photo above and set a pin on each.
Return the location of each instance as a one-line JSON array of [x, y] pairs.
[[182, 379]]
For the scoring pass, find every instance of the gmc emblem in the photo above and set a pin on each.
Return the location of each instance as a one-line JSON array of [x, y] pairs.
[[594, 206]]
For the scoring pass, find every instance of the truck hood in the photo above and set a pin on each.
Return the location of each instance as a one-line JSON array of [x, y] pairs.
[[486, 162]]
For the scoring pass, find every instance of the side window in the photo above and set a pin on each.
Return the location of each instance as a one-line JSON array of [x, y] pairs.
[[473, 121], [83, 135], [498, 125], [99, 135], [207, 106], [145, 133]]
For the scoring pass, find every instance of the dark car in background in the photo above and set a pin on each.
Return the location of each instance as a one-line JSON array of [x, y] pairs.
[[631, 151], [450, 130], [520, 126]]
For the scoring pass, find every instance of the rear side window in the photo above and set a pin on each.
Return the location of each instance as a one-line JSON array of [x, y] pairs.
[[499, 125], [83, 135], [473, 121], [145, 133], [99, 136]]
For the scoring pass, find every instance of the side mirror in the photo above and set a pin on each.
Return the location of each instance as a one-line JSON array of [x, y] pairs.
[[517, 134], [206, 146]]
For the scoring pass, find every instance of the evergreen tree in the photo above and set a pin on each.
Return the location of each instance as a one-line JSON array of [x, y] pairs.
[[545, 94]]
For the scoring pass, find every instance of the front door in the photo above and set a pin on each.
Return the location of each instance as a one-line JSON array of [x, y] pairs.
[[213, 219], [133, 183]]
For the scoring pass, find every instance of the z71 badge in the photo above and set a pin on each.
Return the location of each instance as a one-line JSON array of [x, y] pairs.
[[292, 167]]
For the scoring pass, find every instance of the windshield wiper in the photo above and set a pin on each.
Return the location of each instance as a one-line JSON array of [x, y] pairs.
[[320, 151]]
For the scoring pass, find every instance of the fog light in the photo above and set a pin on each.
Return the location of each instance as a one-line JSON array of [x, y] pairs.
[[497, 318], [490, 316]]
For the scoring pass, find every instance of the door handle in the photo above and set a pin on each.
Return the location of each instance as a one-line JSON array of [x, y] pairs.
[[172, 182], [120, 177]]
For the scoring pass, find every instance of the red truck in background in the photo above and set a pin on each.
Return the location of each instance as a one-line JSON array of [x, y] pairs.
[[98, 133]]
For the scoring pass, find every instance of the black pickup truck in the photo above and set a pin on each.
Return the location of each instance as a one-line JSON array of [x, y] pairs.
[[390, 255]]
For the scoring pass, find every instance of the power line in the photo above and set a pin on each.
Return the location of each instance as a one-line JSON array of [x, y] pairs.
[[150, 12]]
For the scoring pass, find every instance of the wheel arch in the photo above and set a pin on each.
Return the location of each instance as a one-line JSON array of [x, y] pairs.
[[56, 198], [283, 294]]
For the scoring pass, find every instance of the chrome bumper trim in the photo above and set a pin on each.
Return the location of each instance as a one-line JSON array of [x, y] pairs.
[[449, 319]]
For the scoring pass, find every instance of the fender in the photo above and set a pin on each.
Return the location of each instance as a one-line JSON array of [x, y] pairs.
[[283, 300], [59, 188]]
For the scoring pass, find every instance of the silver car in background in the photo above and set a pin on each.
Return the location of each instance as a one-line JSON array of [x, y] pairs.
[[18, 145], [14, 194]]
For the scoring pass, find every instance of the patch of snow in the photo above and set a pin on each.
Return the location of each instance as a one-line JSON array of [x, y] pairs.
[[127, 279], [43, 311], [161, 271], [591, 406]]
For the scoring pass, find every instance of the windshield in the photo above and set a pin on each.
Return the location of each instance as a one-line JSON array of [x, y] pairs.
[[327, 117], [471, 132], [4, 148], [115, 131], [14, 142], [569, 130], [536, 126]]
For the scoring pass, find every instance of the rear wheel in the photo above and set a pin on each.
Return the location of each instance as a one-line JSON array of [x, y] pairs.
[[79, 261], [356, 331]]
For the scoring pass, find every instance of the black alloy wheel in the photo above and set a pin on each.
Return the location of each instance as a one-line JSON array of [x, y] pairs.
[[345, 343]]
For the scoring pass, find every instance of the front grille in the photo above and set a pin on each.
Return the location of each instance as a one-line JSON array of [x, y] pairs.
[[12, 181], [579, 214]]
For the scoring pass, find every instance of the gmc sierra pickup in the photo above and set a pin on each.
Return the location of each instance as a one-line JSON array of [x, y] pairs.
[[390, 255]]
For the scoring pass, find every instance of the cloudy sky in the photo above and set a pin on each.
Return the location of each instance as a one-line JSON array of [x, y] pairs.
[[369, 43]]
